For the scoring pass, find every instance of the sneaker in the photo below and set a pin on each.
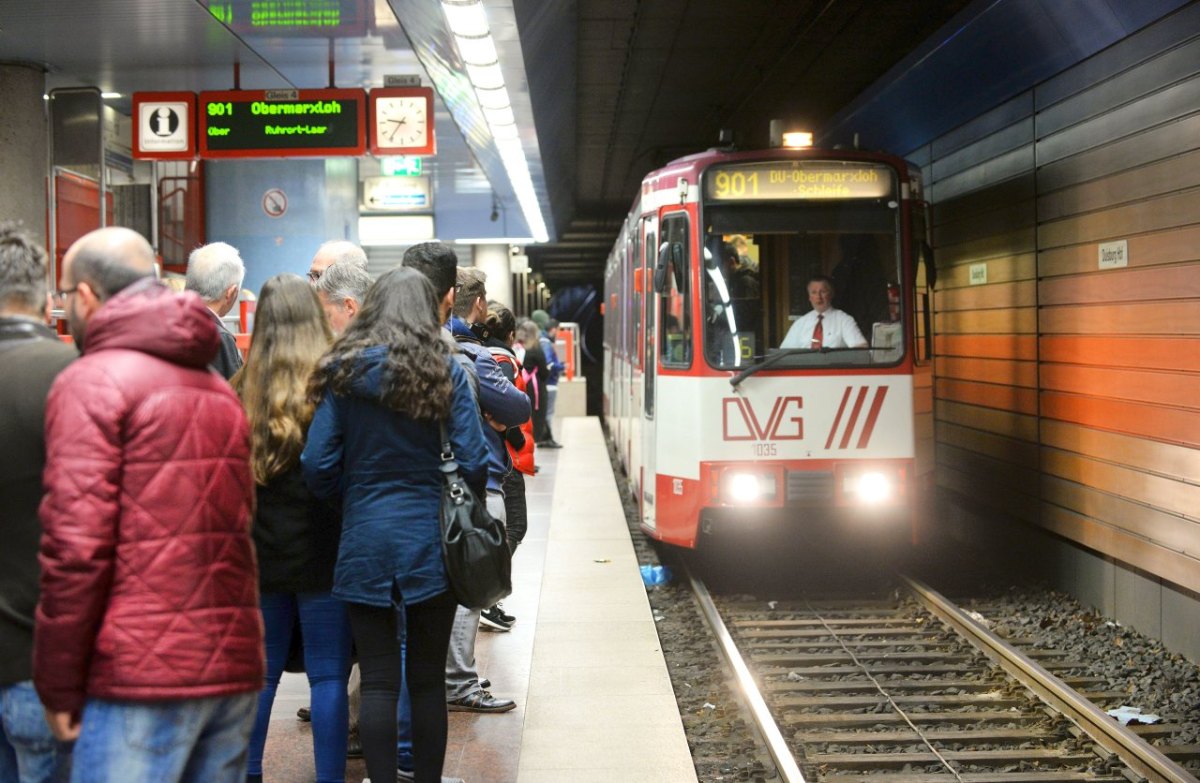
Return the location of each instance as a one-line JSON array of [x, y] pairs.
[[550, 444], [480, 701], [493, 619], [304, 714], [505, 616]]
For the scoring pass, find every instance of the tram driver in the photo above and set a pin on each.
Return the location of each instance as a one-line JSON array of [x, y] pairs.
[[823, 326]]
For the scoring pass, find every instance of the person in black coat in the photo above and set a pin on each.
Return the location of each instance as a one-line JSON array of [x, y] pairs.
[[215, 272], [295, 535], [32, 357]]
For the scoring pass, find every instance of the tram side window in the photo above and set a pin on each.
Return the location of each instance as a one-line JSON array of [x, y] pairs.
[[675, 310]]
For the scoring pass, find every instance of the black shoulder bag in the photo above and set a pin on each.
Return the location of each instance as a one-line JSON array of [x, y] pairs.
[[474, 544]]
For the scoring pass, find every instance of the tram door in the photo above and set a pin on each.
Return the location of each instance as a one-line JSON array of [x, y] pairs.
[[649, 366]]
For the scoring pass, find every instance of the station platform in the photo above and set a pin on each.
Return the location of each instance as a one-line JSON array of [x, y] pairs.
[[583, 663]]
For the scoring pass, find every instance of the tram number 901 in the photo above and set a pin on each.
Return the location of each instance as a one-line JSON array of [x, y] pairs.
[[220, 109], [735, 184]]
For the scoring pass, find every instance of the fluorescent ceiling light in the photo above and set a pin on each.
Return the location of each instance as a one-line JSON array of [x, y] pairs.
[[487, 76], [477, 51], [467, 18], [495, 241]]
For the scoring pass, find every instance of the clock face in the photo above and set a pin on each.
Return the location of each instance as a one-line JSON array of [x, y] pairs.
[[402, 123]]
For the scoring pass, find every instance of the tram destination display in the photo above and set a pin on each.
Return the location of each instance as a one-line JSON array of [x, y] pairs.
[[778, 180], [282, 123]]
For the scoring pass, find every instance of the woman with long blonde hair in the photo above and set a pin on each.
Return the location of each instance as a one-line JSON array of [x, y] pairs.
[[296, 535]]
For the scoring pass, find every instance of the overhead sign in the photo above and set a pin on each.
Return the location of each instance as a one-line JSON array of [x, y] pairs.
[[798, 179], [282, 124], [164, 125], [322, 18], [397, 194]]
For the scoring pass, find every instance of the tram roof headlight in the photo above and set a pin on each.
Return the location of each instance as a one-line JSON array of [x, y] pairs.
[[873, 487], [797, 139]]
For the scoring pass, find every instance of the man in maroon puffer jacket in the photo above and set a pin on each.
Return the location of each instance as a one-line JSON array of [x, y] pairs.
[[148, 638]]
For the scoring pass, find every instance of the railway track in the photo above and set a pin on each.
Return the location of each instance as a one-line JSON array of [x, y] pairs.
[[916, 691]]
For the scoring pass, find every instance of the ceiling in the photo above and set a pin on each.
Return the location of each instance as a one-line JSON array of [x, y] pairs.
[[603, 90]]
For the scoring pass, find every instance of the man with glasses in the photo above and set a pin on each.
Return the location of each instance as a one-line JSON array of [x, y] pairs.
[[335, 251], [32, 356], [148, 640]]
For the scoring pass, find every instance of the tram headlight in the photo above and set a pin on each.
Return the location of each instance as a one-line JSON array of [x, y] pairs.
[[873, 487], [742, 487]]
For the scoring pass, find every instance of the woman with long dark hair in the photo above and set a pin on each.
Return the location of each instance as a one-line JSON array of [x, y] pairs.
[[295, 536], [387, 390]]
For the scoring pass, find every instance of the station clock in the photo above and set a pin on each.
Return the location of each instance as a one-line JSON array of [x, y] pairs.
[[402, 121]]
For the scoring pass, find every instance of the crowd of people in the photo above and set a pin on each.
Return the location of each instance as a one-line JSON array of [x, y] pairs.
[[183, 525]]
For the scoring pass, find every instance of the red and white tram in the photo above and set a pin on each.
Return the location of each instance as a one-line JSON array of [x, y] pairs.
[[719, 428]]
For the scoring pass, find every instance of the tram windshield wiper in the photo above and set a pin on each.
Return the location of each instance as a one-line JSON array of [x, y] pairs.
[[779, 356]]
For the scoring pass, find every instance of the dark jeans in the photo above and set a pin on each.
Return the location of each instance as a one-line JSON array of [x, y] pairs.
[[327, 663], [377, 634], [516, 522]]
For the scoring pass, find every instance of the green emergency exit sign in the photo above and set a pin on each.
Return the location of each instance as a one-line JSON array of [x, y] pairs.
[[400, 166]]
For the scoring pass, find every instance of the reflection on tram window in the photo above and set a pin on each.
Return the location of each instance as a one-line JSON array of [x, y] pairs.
[[757, 265]]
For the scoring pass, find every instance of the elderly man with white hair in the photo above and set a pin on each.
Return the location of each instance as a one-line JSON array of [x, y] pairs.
[[333, 252], [215, 272], [342, 288]]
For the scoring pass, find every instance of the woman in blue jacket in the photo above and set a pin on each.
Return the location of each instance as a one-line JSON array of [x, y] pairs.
[[386, 390]]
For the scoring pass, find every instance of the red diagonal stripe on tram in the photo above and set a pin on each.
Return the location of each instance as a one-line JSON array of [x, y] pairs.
[[872, 415]]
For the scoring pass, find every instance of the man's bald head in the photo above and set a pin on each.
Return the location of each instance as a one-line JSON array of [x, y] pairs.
[[108, 259]]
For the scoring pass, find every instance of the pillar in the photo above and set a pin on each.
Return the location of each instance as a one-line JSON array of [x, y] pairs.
[[23, 139]]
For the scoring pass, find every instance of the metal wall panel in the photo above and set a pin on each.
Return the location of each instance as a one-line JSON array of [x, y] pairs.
[[1064, 392]]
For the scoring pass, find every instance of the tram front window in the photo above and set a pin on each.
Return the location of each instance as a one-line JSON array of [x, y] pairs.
[[758, 278]]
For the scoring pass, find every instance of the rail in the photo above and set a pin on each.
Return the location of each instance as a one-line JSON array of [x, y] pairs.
[[1133, 751]]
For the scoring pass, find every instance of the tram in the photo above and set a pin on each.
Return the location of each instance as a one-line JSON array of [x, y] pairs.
[[726, 413]]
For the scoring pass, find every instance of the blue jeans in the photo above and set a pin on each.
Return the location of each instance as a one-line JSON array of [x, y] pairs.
[[178, 741], [326, 630], [28, 751]]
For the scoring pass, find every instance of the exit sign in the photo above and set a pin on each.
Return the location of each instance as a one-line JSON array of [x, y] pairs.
[[400, 166]]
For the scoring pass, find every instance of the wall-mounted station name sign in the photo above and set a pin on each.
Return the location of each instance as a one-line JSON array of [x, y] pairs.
[[282, 123]]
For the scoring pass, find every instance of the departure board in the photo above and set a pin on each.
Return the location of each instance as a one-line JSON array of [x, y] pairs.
[[798, 179], [282, 123]]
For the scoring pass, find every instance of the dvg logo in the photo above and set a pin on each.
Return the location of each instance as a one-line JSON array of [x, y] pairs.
[[853, 424], [740, 422]]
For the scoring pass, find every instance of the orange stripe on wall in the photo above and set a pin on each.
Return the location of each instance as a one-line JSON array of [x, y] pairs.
[[1016, 321], [1000, 422], [1160, 247], [988, 297], [987, 346], [1008, 398], [1163, 318], [989, 370], [1156, 387], [1166, 459], [1171, 425], [1151, 353], [1122, 285]]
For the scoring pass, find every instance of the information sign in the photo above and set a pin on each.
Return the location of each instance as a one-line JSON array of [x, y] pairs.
[[798, 179], [282, 124], [164, 125], [400, 166]]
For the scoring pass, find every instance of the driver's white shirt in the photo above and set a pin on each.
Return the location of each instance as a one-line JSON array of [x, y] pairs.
[[839, 331]]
